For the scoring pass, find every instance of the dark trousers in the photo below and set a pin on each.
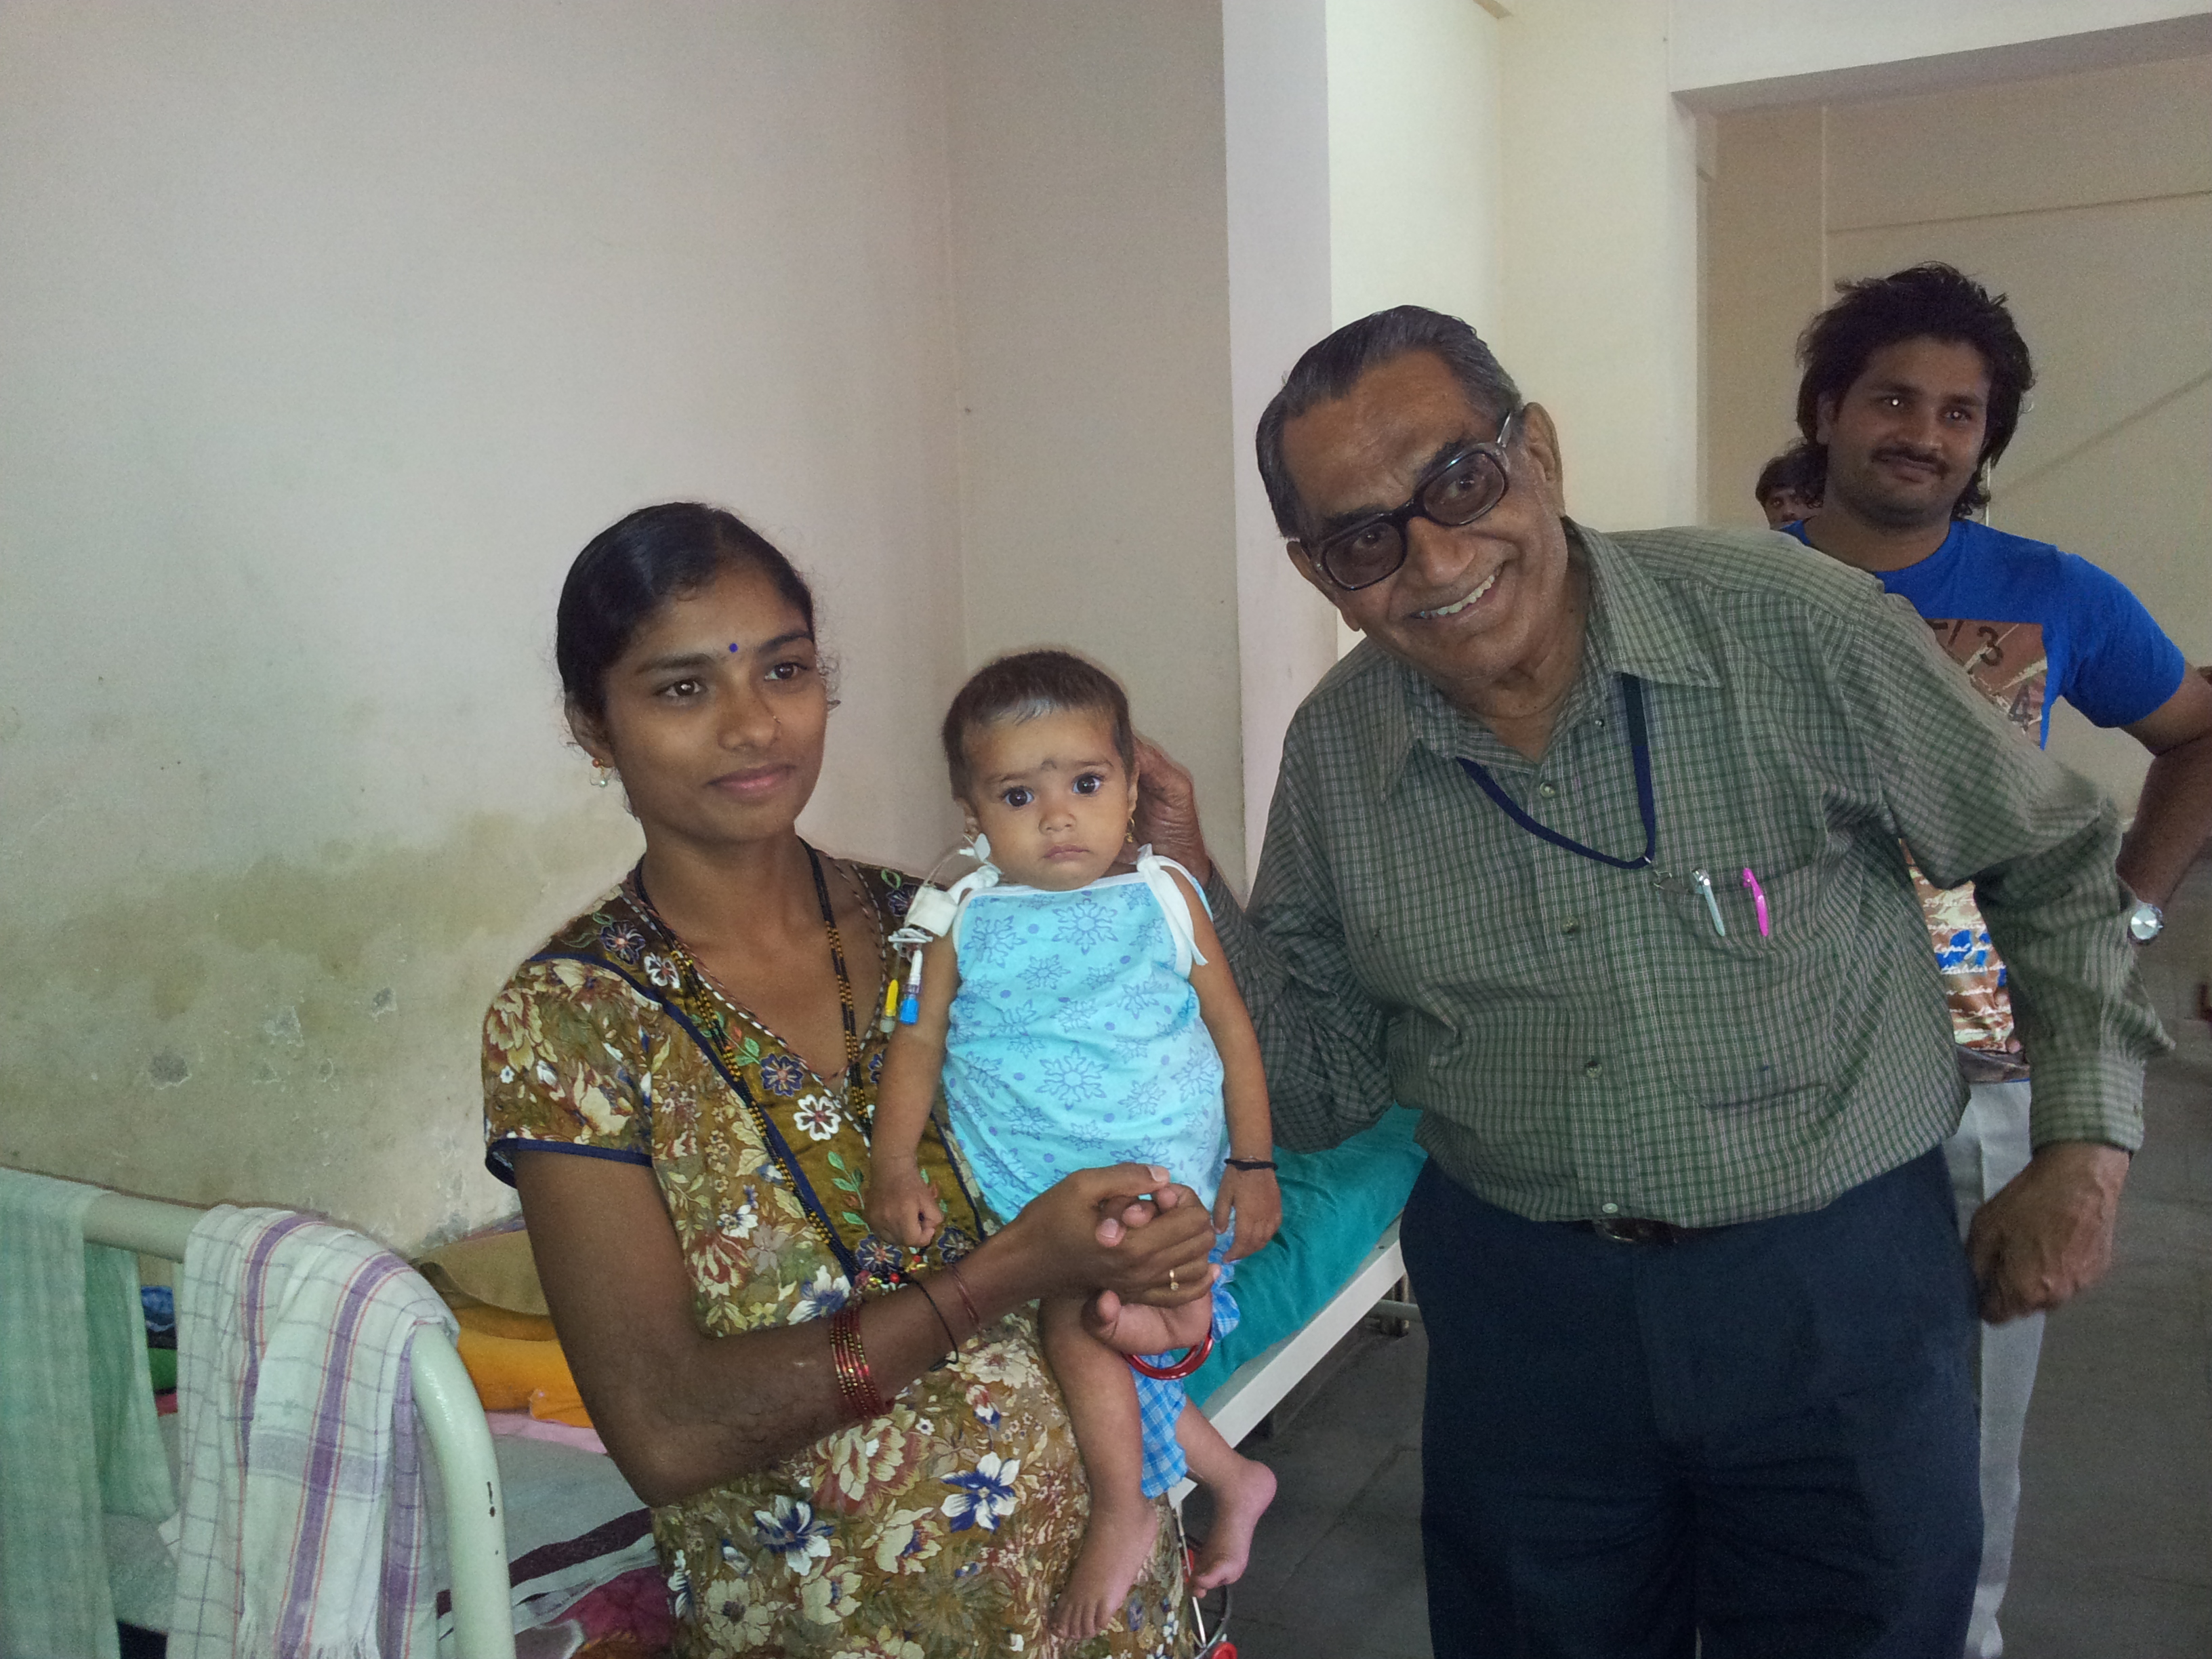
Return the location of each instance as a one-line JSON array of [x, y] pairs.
[[1762, 1440]]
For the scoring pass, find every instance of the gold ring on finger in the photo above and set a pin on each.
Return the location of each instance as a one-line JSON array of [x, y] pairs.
[[1171, 1280]]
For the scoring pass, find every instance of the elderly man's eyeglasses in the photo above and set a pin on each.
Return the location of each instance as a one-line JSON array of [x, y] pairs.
[[1457, 491]]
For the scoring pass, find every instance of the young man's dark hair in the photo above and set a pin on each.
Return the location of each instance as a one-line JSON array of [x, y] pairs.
[[1934, 302], [1797, 474], [1796, 469]]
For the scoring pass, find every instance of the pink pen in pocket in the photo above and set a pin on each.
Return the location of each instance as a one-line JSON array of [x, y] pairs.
[[1758, 900]]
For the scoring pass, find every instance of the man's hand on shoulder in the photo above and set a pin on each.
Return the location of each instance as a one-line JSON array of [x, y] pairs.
[[2048, 1234], [1167, 810]]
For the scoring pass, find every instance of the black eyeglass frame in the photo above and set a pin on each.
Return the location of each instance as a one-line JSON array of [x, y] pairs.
[[1493, 451]]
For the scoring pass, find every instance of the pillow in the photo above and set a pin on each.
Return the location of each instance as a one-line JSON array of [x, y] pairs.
[[494, 1267]]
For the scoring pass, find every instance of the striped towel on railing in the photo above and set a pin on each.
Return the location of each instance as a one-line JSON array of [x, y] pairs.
[[304, 1529]]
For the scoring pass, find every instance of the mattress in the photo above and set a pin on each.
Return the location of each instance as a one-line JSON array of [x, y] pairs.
[[1335, 1205], [572, 1523]]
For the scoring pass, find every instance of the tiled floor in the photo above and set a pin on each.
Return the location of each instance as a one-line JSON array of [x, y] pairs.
[[2114, 1554]]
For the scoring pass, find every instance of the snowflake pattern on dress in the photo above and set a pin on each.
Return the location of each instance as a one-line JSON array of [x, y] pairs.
[[1075, 1079], [1060, 1058], [983, 940], [1132, 1002], [1082, 928]]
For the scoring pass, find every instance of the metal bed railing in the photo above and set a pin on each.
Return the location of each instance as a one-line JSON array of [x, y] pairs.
[[1260, 1384], [453, 1422]]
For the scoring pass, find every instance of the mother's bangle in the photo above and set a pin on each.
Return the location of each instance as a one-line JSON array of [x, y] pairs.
[[960, 1284], [855, 1382], [923, 1286]]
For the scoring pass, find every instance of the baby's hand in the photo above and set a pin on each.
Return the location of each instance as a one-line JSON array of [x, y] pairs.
[[1257, 1203], [899, 1205]]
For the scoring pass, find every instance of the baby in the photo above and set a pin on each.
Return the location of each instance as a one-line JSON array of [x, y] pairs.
[[1079, 1017]]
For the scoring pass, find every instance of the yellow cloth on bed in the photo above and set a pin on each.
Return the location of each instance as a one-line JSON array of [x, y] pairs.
[[490, 1281], [514, 1374]]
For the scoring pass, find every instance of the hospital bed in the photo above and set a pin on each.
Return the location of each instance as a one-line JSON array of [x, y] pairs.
[[475, 1531], [1334, 1265]]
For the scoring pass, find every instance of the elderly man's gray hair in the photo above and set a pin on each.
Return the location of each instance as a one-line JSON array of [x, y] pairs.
[[1329, 370]]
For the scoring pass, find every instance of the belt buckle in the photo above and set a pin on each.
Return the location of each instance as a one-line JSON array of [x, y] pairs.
[[1632, 1229]]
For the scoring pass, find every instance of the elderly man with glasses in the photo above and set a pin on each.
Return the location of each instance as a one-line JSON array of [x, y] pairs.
[[1591, 852]]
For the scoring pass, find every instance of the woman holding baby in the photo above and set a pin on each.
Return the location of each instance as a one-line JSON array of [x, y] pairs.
[[852, 1446]]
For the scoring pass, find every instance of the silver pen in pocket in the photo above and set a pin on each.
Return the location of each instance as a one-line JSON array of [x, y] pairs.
[[1704, 883]]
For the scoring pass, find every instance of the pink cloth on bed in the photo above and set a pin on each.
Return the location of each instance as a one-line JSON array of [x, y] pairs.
[[521, 1425], [633, 1605]]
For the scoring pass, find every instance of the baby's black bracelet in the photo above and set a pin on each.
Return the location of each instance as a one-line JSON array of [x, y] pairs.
[[1249, 1162]]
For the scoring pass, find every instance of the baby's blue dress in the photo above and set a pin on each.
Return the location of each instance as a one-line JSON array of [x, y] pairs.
[[1075, 1041]]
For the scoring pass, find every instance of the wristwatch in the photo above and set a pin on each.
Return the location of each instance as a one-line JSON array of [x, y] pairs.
[[2146, 921]]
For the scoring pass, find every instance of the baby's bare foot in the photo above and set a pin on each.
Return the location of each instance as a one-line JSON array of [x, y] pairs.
[[1239, 1503], [1114, 1549]]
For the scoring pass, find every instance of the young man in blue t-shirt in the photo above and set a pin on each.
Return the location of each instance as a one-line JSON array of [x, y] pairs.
[[1912, 389]]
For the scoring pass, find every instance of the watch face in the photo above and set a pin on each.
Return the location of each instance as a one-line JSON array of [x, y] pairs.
[[2146, 921]]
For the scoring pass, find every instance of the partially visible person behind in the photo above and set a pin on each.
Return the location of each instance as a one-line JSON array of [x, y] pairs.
[[851, 1447], [1074, 1016], [1912, 389], [1788, 487]]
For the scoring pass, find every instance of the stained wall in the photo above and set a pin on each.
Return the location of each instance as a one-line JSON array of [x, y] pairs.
[[327, 337]]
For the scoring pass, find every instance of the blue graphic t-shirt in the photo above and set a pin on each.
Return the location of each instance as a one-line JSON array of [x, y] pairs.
[[2029, 624]]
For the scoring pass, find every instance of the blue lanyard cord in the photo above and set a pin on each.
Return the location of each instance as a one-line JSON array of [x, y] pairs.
[[1639, 744]]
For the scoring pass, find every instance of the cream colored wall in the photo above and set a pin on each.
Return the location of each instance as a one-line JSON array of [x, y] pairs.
[[1413, 158], [1599, 229], [330, 336], [1600, 209], [1090, 253], [1765, 272], [1725, 45], [1412, 163], [1275, 92], [2087, 199]]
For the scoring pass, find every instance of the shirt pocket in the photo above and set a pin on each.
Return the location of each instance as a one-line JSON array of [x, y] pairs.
[[1749, 1015]]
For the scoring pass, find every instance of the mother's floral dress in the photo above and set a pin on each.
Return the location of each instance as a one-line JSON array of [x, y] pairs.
[[944, 1528]]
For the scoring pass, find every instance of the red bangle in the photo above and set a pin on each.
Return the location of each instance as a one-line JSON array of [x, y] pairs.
[[855, 1382], [1184, 1367]]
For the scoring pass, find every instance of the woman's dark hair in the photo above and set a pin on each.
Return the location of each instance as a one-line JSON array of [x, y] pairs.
[[633, 567], [1331, 369], [1933, 301], [1025, 686]]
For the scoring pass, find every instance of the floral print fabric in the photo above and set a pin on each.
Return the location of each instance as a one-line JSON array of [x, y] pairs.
[[943, 1528]]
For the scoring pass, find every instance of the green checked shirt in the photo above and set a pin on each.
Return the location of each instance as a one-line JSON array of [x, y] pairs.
[[1581, 1039]]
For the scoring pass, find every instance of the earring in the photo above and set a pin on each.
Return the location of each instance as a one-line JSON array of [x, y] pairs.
[[1129, 836], [602, 774]]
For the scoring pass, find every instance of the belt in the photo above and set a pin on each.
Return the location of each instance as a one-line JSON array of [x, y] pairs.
[[1636, 1230]]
